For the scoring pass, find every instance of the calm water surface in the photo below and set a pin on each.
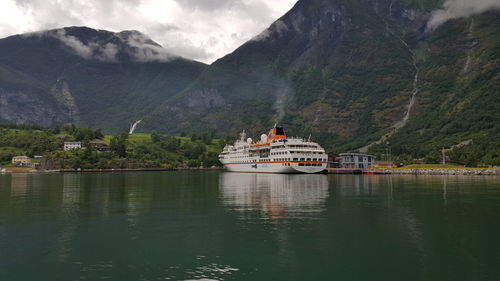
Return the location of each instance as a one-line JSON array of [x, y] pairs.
[[231, 226]]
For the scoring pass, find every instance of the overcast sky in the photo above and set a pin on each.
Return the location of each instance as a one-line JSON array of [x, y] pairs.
[[203, 30]]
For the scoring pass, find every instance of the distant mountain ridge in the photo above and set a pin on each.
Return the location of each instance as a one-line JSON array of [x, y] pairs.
[[103, 45], [89, 77]]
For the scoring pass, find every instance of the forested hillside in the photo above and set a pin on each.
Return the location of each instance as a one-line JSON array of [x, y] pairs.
[[355, 74], [87, 77]]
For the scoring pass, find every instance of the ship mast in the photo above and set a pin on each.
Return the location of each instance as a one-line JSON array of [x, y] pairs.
[[243, 135]]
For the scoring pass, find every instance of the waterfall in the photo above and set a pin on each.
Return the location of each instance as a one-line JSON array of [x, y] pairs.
[[401, 123], [133, 127], [470, 36], [406, 117]]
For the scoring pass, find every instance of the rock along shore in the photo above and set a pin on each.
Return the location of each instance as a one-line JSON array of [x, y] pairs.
[[449, 171]]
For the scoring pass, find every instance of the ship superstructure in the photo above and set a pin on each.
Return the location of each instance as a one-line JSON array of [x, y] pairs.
[[274, 153]]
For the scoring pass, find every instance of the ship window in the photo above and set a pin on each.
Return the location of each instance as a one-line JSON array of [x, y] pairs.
[[308, 159], [308, 164], [295, 159], [301, 164], [314, 159], [302, 159]]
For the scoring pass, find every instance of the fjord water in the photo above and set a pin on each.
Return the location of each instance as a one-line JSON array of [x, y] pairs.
[[231, 226]]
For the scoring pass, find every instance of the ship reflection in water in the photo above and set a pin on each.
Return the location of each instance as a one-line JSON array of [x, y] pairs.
[[276, 196]]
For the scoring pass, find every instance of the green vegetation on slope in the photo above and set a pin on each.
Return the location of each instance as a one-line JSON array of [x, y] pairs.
[[458, 98], [134, 151]]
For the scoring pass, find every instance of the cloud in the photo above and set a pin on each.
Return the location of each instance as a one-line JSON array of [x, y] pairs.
[[201, 30], [143, 48], [108, 52], [453, 9], [136, 45], [279, 27]]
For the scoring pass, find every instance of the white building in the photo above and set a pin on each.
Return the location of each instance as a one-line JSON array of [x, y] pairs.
[[24, 161], [69, 145], [356, 160]]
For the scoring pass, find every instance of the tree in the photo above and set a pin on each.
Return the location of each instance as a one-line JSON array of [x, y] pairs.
[[119, 144], [206, 138], [98, 134]]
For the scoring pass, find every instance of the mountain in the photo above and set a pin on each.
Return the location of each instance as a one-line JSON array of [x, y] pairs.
[[355, 74], [88, 77]]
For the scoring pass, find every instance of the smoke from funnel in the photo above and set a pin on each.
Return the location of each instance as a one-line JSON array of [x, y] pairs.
[[283, 94], [453, 9]]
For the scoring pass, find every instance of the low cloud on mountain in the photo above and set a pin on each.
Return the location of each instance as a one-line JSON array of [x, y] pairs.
[[201, 30], [453, 9]]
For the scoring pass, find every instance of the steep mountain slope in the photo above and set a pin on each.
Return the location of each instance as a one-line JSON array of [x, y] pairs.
[[89, 77], [459, 91], [335, 68], [353, 72]]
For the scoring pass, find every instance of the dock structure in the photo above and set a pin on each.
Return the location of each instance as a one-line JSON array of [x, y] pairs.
[[355, 171]]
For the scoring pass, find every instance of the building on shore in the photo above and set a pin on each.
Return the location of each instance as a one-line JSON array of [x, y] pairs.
[[333, 160], [96, 143], [21, 161], [356, 160], [99, 145], [103, 148], [70, 145]]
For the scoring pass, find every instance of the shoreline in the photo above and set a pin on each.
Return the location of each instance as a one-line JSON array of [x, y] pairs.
[[442, 171], [387, 171], [420, 171], [10, 170]]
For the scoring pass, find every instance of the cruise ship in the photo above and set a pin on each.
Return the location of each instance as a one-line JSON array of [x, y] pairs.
[[274, 153]]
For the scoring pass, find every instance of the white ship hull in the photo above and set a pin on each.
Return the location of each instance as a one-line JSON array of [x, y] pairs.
[[277, 168]]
